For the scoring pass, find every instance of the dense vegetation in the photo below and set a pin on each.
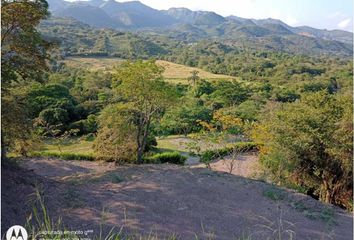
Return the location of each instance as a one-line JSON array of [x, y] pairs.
[[297, 108], [79, 39]]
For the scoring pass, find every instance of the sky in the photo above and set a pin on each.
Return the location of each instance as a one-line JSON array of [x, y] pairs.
[[322, 14]]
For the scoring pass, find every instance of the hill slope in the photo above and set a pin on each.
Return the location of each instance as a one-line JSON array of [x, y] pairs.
[[161, 200]]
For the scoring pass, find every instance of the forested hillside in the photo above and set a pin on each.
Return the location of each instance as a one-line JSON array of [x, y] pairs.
[[77, 38], [135, 15]]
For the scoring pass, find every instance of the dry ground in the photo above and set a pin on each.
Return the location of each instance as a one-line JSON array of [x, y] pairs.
[[176, 73], [166, 199]]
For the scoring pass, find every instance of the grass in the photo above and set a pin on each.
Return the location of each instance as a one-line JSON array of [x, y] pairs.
[[73, 149], [325, 214], [172, 143], [274, 194], [115, 178], [174, 73], [182, 143], [74, 145], [64, 156], [178, 72], [78, 149]]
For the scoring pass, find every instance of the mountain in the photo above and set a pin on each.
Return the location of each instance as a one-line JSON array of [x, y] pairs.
[[335, 35], [94, 16], [136, 15], [189, 26], [80, 39], [111, 14], [185, 15]]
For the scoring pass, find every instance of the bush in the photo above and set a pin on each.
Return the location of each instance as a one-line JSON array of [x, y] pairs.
[[166, 157], [210, 155], [65, 156], [309, 143], [89, 137], [54, 116], [85, 126], [116, 136]]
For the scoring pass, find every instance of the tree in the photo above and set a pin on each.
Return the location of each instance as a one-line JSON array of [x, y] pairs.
[[229, 93], [146, 96], [309, 143], [182, 119], [116, 138], [41, 97], [193, 78], [23, 59], [23, 51]]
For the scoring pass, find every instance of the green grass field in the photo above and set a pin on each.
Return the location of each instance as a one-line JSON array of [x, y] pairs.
[[175, 73], [73, 146], [73, 149], [86, 147]]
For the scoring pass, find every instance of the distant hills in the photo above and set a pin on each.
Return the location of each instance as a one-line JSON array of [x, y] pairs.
[[135, 15], [125, 15], [182, 24]]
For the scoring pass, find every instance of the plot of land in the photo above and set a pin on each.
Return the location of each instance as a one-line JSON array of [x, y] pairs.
[[165, 200], [162, 200], [176, 73]]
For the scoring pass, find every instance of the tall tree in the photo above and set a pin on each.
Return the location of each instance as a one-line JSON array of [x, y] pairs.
[[147, 96], [194, 78], [23, 59], [23, 50]]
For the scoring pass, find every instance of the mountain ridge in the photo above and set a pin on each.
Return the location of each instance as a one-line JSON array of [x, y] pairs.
[[134, 15], [188, 27]]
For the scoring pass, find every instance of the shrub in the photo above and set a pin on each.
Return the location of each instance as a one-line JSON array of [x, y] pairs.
[[85, 126], [309, 143], [166, 157], [90, 137], [54, 115], [65, 156], [210, 155], [116, 136]]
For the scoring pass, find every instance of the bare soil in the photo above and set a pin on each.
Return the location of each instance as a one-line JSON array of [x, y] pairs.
[[245, 165], [166, 199]]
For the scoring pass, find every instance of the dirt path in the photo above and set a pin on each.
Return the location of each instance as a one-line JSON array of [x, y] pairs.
[[245, 165], [166, 199]]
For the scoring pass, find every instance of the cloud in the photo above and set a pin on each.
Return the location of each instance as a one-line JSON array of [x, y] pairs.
[[343, 24]]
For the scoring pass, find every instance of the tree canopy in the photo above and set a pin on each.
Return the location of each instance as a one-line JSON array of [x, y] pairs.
[[145, 95]]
